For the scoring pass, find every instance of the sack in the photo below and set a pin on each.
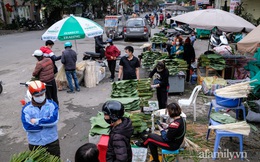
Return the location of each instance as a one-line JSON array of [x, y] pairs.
[[61, 76], [253, 116], [139, 154]]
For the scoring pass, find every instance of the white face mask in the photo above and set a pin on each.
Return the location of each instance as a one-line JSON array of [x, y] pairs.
[[126, 55], [39, 99], [159, 70], [177, 43], [108, 44]]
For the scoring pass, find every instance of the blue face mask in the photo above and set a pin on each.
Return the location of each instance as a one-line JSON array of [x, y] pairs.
[[126, 55]]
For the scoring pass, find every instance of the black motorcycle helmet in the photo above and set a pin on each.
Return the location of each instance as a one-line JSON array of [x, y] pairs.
[[114, 109]]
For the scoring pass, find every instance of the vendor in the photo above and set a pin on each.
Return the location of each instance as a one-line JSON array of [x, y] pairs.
[[177, 49], [172, 134], [161, 83]]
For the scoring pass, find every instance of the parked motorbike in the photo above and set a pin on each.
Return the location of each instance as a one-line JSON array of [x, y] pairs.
[[182, 31], [217, 40], [88, 15], [1, 87], [98, 57], [33, 25]]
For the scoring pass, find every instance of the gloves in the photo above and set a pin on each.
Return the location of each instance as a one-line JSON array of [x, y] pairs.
[[153, 86]]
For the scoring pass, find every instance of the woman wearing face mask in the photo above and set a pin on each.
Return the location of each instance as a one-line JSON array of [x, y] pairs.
[[177, 50], [111, 54], [161, 83], [121, 130], [39, 118]]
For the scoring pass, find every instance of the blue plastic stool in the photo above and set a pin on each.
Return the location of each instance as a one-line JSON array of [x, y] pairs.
[[219, 107], [168, 152], [220, 134]]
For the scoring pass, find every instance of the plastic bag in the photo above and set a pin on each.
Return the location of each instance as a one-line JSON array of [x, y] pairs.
[[139, 154], [223, 50]]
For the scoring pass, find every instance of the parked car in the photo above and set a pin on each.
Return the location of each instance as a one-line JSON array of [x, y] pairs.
[[137, 28]]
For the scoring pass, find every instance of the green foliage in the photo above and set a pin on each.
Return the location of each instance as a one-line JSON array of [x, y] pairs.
[[38, 155]]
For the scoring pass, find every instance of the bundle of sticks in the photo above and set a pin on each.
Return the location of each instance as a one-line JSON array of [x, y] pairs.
[[238, 90]]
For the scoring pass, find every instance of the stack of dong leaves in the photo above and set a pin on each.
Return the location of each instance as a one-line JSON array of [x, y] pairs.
[[132, 93], [174, 65], [214, 61]]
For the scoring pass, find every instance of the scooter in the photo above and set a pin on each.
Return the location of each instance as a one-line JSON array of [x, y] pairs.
[[95, 57], [218, 40], [1, 87], [182, 31]]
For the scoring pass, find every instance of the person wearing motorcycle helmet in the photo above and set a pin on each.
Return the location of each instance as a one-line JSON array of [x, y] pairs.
[[99, 45], [119, 148], [39, 118], [111, 54], [44, 71], [69, 59]]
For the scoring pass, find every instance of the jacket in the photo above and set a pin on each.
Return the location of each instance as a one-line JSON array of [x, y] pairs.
[[119, 148], [44, 131], [47, 52], [111, 51], [189, 53], [162, 76], [44, 70], [69, 59], [174, 50]]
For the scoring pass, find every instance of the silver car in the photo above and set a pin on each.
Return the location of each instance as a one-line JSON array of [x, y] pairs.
[[137, 28]]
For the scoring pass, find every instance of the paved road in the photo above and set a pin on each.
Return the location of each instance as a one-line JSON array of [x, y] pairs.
[[17, 64]]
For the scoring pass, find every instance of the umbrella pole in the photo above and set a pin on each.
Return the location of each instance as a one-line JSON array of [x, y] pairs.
[[76, 46]]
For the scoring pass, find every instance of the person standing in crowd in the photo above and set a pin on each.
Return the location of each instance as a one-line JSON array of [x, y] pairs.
[[172, 134], [188, 56], [161, 83], [44, 71], [47, 52], [152, 18], [156, 18], [178, 36], [69, 59], [119, 147], [87, 152], [192, 38], [111, 53], [99, 45], [129, 65], [161, 19], [177, 49], [39, 118]]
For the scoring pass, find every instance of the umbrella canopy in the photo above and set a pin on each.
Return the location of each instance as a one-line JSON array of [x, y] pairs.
[[176, 8], [251, 42], [72, 28], [210, 18]]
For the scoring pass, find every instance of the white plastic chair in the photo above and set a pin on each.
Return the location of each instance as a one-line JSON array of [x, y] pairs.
[[191, 100]]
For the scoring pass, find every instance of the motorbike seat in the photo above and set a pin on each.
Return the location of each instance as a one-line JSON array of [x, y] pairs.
[[216, 37], [92, 54]]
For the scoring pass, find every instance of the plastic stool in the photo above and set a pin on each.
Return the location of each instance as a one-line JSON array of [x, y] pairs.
[[219, 107], [220, 134], [168, 152]]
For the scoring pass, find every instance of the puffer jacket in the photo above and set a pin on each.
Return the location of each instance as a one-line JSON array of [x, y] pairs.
[[119, 148], [44, 70]]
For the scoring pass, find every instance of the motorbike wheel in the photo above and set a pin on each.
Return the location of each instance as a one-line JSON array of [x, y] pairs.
[[1, 88]]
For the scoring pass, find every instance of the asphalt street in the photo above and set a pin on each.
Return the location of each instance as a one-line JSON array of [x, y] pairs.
[[16, 66]]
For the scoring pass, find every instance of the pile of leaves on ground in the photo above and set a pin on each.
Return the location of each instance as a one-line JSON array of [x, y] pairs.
[[38, 155], [99, 126], [149, 57], [144, 91], [140, 122], [174, 65], [214, 61], [159, 38], [132, 93]]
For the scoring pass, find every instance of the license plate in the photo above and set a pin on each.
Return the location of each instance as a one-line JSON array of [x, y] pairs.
[[134, 29]]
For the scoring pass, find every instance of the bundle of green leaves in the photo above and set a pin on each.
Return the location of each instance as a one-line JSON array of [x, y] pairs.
[[37, 155], [214, 61], [174, 65]]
